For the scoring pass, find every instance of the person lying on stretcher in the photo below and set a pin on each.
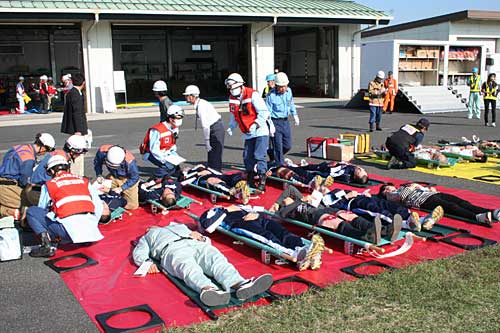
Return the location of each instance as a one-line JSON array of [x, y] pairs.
[[489, 145], [232, 185], [189, 256], [166, 191], [253, 224], [465, 151], [292, 204], [371, 206], [110, 202], [417, 196]]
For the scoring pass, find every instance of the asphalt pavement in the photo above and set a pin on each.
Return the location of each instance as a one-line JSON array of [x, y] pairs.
[[33, 298]]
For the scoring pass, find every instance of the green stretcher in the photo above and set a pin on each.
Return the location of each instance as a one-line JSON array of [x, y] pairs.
[[183, 202], [461, 218], [214, 195], [210, 310], [325, 231], [371, 182], [431, 164], [438, 230], [116, 214]]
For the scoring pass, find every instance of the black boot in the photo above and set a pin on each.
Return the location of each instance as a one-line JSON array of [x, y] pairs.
[[45, 250], [262, 182], [251, 178], [378, 127], [371, 127], [374, 234]]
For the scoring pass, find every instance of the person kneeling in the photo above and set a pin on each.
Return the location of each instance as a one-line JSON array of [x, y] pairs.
[[189, 256], [68, 211]]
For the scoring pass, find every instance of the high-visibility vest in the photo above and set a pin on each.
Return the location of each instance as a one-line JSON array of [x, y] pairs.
[[490, 92], [167, 138], [474, 82], [243, 110], [25, 152], [70, 195]]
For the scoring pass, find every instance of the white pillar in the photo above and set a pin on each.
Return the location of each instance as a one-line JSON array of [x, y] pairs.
[[98, 59], [348, 60], [262, 43]]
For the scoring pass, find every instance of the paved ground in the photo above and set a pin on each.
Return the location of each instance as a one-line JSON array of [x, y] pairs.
[[34, 299]]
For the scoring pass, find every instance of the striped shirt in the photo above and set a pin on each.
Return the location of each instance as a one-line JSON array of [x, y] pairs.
[[412, 197]]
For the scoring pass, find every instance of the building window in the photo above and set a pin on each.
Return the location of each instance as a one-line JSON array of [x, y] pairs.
[[131, 48], [201, 47], [11, 49]]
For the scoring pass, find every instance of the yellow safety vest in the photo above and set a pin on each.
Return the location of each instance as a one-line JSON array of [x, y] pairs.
[[474, 83], [491, 93]]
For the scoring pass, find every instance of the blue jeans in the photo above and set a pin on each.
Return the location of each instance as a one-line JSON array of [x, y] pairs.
[[39, 222], [375, 114], [254, 153], [282, 140], [164, 169]]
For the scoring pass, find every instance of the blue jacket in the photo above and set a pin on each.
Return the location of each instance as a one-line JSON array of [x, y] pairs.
[[40, 175], [281, 105], [18, 163], [127, 169]]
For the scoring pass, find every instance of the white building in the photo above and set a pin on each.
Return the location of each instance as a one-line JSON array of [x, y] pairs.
[[183, 42]]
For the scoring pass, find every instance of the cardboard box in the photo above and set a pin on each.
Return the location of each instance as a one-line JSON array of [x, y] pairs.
[[339, 153], [422, 53]]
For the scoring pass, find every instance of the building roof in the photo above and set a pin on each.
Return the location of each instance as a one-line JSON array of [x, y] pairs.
[[279, 9], [457, 16]]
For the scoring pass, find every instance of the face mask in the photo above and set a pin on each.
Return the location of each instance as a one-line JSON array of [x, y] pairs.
[[178, 122], [236, 91]]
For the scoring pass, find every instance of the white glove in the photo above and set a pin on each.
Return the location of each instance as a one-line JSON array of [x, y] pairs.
[[252, 129], [229, 131], [209, 147], [297, 120]]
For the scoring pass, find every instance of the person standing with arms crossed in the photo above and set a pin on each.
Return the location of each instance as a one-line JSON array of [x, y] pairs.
[[213, 127], [280, 104], [490, 92], [74, 120]]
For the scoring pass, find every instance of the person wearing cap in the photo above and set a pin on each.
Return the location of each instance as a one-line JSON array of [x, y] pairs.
[[270, 85], [490, 93], [16, 171], [249, 112], [376, 93], [190, 256], [68, 211], [402, 144], [474, 103], [67, 84], [391, 86], [43, 91], [159, 144], [20, 93], [281, 106], [160, 92], [212, 125], [123, 172]]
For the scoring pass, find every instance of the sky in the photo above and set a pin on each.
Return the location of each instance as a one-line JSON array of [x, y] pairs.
[[411, 10]]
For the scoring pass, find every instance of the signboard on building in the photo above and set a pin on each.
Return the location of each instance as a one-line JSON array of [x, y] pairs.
[[107, 97], [119, 81]]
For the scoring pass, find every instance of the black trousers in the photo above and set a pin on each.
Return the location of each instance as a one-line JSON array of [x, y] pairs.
[[401, 153], [44, 103], [217, 133], [453, 205], [487, 104]]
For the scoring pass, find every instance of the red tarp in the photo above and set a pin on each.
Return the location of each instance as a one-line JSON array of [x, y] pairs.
[[110, 286]]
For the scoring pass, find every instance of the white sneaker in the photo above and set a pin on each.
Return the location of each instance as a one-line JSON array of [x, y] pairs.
[[493, 125], [254, 287], [289, 162], [303, 162], [484, 218], [214, 297]]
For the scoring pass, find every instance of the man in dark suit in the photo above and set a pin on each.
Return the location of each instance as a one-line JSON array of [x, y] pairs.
[[74, 120]]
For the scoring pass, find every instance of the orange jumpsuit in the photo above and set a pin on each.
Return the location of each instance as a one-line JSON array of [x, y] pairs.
[[392, 90]]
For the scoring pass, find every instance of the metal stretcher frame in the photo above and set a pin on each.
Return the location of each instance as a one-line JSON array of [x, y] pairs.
[[420, 161], [183, 202], [281, 180]]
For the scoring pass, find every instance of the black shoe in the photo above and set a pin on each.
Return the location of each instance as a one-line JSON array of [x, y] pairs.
[[374, 235], [251, 178], [392, 162], [378, 127], [262, 182], [45, 250], [371, 127]]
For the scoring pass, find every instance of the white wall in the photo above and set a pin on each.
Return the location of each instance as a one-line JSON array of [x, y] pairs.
[[346, 74], [98, 61], [262, 43], [430, 32], [483, 31]]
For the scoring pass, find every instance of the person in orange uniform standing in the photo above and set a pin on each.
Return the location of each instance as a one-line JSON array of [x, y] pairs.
[[391, 85]]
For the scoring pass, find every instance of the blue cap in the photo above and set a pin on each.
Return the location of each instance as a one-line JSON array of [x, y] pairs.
[[270, 77], [475, 70]]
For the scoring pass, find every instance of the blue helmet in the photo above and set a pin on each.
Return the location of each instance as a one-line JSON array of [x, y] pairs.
[[270, 77], [475, 70]]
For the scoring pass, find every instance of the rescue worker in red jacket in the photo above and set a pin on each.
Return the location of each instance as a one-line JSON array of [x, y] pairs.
[[123, 172], [158, 146], [16, 171], [249, 112], [68, 211]]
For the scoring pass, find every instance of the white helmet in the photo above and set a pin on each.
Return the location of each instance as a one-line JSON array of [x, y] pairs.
[[192, 90], [76, 144], [175, 111], [115, 157], [160, 86], [21, 78], [46, 140], [234, 81], [44, 77], [380, 74], [57, 160], [281, 79]]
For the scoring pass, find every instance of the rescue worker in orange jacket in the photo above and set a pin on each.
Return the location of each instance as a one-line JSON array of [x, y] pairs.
[[391, 86], [249, 112], [68, 211]]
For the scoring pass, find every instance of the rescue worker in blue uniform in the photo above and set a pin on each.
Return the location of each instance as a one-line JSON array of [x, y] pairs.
[[280, 104]]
